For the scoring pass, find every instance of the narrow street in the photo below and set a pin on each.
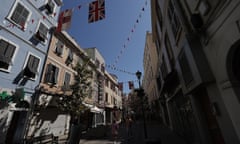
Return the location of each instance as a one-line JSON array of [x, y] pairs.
[[156, 134]]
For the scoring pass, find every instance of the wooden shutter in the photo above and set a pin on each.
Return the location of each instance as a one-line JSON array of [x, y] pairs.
[[50, 6], [186, 70], [6, 52], [70, 55], [67, 79], [59, 48], [31, 67], [35, 64], [56, 75], [30, 64], [48, 73], [42, 32]]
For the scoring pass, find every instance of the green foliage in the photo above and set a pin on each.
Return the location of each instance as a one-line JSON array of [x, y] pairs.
[[81, 88]]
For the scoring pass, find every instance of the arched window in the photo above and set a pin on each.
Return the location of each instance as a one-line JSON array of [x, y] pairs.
[[236, 63], [233, 67], [233, 62]]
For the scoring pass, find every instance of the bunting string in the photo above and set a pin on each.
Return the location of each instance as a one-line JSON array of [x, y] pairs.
[[129, 36], [8, 24], [129, 83], [119, 70]]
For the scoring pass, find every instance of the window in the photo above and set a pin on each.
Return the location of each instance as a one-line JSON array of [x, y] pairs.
[[6, 54], [106, 82], [59, 48], [50, 6], [186, 70], [97, 63], [42, 32], [51, 75], [163, 68], [192, 4], [106, 97], [169, 50], [173, 19], [159, 14], [70, 57], [236, 64], [20, 15], [159, 84], [112, 86], [31, 68], [66, 83], [102, 68]]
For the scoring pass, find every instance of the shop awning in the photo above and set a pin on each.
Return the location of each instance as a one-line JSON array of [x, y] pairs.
[[88, 105], [20, 106], [95, 109]]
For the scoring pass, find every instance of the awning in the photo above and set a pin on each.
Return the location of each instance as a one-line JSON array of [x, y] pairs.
[[95, 109], [88, 105], [20, 106]]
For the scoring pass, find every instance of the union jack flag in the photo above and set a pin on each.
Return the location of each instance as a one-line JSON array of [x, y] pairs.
[[96, 11]]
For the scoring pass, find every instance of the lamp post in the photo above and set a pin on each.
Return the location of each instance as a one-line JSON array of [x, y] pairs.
[[141, 94]]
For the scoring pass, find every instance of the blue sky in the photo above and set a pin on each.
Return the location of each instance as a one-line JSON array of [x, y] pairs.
[[111, 34]]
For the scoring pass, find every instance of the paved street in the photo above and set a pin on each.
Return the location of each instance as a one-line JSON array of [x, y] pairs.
[[156, 134]]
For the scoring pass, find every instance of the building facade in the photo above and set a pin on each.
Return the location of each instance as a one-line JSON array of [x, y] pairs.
[[107, 95], [98, 85], [58, 74], [197, 42], [25, 32], [151, 75], [112, 98]]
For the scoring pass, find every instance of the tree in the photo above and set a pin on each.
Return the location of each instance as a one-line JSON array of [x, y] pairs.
[[73, 104]]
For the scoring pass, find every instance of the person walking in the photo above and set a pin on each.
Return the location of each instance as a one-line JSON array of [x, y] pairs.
[[129, 123], [115, 129]]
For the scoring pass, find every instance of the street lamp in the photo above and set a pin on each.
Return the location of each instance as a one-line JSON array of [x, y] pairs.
[[139, 74], [141, 94]]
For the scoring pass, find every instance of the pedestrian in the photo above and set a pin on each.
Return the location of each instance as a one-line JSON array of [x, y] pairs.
[[115, 128], [129, 123]]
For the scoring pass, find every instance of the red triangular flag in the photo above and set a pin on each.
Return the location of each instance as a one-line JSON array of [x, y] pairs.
[[130, 85], [120, 86]]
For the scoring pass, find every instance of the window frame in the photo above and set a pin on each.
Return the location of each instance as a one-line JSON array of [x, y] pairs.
[[64, 80], [46, 72], [13, 57], [185, 67], [169, 50], [11, 14], [54, 7], [56, 47], [159, 15], [97, 63], [174, 20], [70, 56], [163, 68], [26, 62], [47, 35]]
